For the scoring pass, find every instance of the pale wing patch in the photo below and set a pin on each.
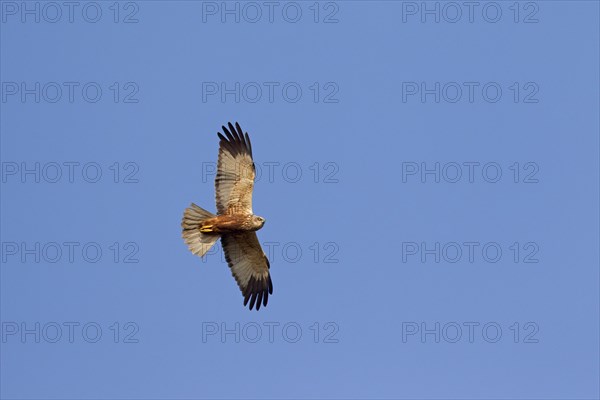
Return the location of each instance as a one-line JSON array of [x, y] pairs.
[[249, 266], [235, 172]]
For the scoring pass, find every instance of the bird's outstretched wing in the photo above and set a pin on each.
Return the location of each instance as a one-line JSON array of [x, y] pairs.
[[249, 266], [235, 172]]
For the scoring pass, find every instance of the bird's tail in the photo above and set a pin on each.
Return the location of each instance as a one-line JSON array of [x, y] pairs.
[[199, 243]]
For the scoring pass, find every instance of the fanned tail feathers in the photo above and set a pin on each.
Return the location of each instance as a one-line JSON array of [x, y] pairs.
[[198, 243]]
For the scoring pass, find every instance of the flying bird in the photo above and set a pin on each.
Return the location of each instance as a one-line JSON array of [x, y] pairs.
[[235, 223]]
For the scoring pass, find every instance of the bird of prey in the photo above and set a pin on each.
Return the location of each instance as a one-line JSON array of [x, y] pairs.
[[235, 223]]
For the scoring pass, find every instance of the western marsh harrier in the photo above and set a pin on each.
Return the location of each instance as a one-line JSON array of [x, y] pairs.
[[234, 223]]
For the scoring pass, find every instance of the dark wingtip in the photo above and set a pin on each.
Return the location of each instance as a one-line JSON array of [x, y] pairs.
[[257, 293], [259, 300], [230, 137], [234, 139], [248, 143], [252, 300], [233, 131]]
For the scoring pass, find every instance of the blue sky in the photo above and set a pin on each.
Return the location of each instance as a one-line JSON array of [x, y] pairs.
[[429, 176]]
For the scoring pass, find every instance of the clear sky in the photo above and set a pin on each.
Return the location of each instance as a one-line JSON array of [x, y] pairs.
[[429, 177]]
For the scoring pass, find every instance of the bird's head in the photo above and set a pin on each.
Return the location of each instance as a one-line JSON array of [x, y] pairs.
[[258, 221]]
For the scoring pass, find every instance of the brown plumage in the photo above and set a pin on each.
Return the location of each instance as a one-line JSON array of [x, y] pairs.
[[235, 223]]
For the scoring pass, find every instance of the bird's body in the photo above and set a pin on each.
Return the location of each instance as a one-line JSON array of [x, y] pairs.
[[235, 223]]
